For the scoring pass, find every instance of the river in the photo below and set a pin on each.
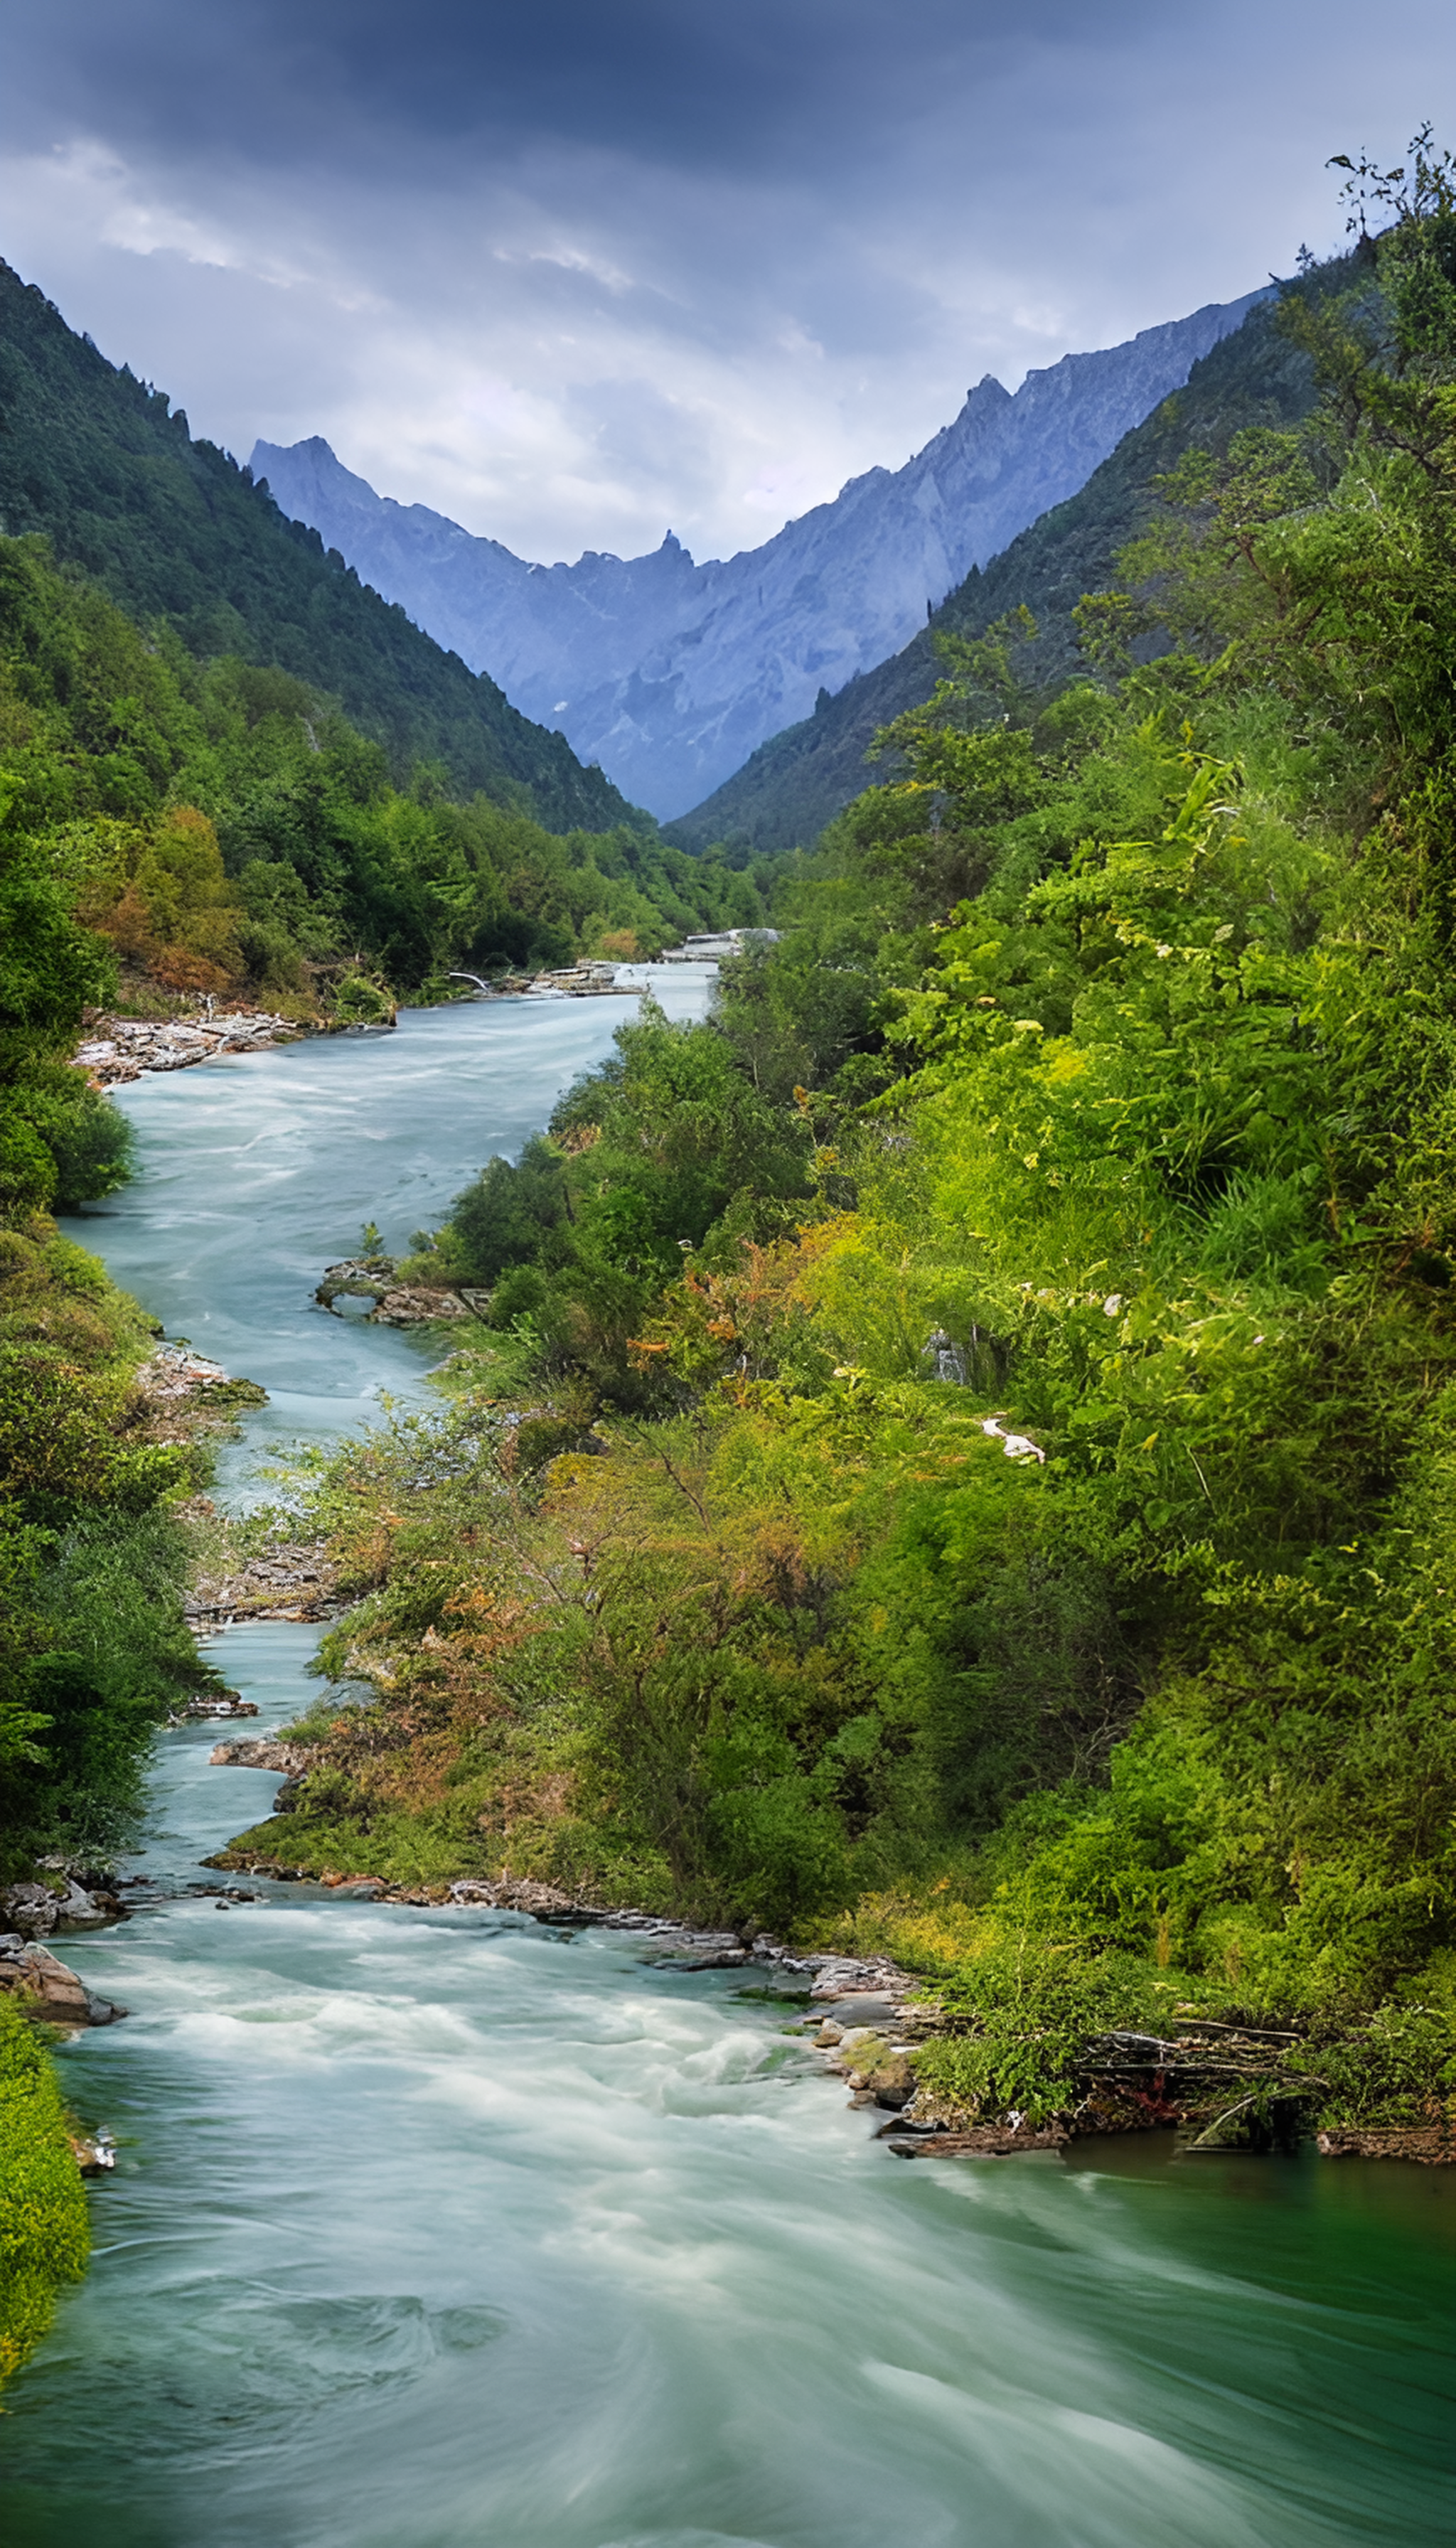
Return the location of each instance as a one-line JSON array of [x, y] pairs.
[[440, 2229]]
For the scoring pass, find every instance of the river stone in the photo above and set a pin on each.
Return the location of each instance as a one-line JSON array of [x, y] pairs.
[[256, 1755], [47, 1988], [33, 1908], [860, 2008]]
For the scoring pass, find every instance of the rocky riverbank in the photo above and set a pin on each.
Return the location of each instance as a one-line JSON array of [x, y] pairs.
[[287, 1580], [868, 2016], [119, 1050], [394, 1304], [41, 1986], [177, 1393], [59, 1898]]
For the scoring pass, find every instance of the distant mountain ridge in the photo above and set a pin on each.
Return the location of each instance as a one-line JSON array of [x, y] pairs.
[[173, 529], [800, 778], [669, 673]]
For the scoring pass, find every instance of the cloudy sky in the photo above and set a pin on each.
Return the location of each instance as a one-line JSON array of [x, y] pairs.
[[575, 271]]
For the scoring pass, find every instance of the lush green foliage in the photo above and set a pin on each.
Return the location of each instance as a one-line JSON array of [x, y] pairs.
[[191, 826], [93, 1647], [221, 826], [45, 2232], [665, 1143], [1099, 1093], [798, 781]]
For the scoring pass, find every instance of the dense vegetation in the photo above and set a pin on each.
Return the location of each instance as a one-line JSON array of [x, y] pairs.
[[1101, 1089], [175, 531], [226, 828], [801, 780], [174, 825], [45, 2232], [93, 1647], [92, 1643]]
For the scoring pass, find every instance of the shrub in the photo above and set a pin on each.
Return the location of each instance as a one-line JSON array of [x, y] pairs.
[[44, 2229]]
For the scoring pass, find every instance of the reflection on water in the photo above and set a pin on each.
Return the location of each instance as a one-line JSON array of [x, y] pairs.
[[438, 2229]]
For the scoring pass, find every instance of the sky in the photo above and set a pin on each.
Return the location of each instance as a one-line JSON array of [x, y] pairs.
[[576, 272]]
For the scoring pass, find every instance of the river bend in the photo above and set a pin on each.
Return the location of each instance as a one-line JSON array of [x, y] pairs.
[[440, 2229]]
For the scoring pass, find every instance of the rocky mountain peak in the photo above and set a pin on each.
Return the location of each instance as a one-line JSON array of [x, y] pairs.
[[673, 671]]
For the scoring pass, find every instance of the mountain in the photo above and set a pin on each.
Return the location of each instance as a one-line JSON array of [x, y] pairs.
[[174, 530], [670, 673], [798, 781]]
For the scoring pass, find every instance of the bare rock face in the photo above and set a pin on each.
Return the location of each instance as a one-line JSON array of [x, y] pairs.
[[1429, 2144], [117, 1049], [415, 1305], [671, 670], [289, 1757], [47, 1989], [292, 1581], [33, 1910]]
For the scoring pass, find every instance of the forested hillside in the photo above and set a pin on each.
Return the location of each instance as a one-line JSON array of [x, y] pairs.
[[193, 826], [174, 530], [226, 830], [794, 785], [979, 1477]]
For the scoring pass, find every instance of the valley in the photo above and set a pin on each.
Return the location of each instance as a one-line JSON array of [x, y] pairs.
[[905, 1464]]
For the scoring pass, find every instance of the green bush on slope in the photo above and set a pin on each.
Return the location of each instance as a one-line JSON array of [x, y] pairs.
[[44, 2229]]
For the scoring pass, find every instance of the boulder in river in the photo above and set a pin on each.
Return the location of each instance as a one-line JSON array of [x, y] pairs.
[[394, 1304], [36, 1910], [47, 1989], [258, 1755]]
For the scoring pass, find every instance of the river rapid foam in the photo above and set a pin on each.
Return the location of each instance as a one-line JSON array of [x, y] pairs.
[[438, 2228]]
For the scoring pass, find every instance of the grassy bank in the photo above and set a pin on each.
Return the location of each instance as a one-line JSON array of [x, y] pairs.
[[45, 2230]]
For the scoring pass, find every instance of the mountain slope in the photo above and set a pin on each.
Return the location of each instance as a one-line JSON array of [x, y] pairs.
[[174, 529], [669, 672], [796, 782]]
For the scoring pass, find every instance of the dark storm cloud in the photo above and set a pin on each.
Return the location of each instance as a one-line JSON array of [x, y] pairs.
[[740, 87], [574, 272]]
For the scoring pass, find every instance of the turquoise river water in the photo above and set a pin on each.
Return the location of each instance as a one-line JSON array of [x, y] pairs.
[[440, 2229]]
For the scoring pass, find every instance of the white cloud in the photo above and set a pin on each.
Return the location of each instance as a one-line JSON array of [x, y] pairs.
[[567, 343]]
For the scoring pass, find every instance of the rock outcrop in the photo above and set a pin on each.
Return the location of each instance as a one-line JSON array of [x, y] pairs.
[[47, 1989], [174, 1380], [38, 1910], [293, 1580], [259, 1755], [117, 1049], [394, 1304]]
